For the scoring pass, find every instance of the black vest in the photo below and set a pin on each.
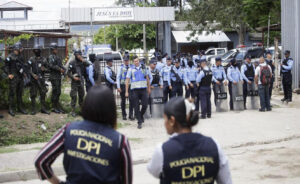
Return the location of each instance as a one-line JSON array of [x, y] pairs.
[[270, 63], [77, 68], [206, 80], [285, 62], [92, 153], [190, 158], [155, 76], [249, 73]]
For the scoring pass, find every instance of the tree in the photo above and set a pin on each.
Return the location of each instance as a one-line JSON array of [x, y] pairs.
[[130, 36], [238, 15]]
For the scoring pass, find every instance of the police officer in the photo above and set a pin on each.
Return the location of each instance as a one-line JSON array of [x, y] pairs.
[[271, 63], [56, 71], [94, 152], [219, 75], [110, 76], [183, 60], [287, 79], [154, 78], [204, 80], [177, 79], [15, 69], [248, 73], [164, 73], [234, 76], [37, 67], [191, 73], [138, 75], [187, 157], [159, 64], [121, 77], [76, 72], [92, 75]]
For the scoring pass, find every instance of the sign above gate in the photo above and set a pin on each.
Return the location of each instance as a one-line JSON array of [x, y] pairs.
[[112, 14]]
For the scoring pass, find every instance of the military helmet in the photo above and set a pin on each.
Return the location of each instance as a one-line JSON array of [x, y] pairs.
[[17, 46], [37, 47], [53, 45], [77, 52]]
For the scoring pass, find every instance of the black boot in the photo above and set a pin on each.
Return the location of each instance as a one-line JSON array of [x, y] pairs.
[[43, 108], [284, 99], [21, 109], [61, 110], [33, 109], [11, 111], [1, 116], [55, 108]]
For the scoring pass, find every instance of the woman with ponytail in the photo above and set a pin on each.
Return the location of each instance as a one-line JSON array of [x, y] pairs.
[[187, 157]]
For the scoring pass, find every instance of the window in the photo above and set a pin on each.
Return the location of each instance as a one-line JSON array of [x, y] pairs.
[[61, 42], [228, 54], [220, 51], [39, 40], [13, 15], [211, 52]]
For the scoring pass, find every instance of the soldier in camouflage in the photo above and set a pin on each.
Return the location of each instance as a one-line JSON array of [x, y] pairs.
[[15, 69], [37, 68], [56, 71], [77, 73]]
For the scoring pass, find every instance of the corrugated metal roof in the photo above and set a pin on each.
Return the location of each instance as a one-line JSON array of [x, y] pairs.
[[184, 37]]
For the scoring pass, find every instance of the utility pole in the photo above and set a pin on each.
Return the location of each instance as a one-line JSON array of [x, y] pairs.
[[117, 40], [104, 36], [268, 41], [69, 14], [144, 38], [92, 30]]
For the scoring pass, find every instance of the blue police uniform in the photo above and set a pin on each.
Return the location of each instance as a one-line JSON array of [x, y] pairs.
[[110, 77], [248, 73], [164, 73], [219, 74], [191, 76], [287, 79], [185, 153], [92, 153], [121, 77], [159, 65], [138, 77], [183, 62], [233, 75], [205, 79], [176, 80]]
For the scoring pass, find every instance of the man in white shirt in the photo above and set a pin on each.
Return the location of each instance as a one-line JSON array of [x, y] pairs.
[[263, 76]]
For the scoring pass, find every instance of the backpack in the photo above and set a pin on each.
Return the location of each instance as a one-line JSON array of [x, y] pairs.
[[265, 75]]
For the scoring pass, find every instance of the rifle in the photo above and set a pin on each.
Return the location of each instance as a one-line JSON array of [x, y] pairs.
[[79, 74], [178, 79]]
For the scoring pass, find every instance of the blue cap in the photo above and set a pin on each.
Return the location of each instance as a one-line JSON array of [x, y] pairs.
[[248, 57], [268, 52], [218, 59], [287, 52], [153, 60], [126, 58], [232, 61]]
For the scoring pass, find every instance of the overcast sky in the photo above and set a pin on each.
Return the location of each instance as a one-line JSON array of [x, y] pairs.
[[51, 9]]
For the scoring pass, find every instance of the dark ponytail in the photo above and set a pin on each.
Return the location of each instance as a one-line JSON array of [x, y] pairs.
[[177, 107]]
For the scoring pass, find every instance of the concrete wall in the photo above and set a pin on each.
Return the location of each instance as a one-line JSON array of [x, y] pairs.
[[290, 30], [234, 37]]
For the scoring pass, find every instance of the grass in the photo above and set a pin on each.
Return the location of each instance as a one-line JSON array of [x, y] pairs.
[[136, 139], [8, 150]]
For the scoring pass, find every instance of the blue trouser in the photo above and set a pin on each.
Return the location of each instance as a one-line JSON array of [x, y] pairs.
[[205, 94], [167, 91], [191, 91], [264, 96], [137, 96], [176, 89]]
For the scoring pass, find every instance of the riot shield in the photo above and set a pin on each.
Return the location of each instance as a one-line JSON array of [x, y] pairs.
[[237, 96], [221, 97], [157, 103], [252, 100]]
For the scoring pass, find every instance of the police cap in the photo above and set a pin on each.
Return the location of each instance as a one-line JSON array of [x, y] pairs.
[[77, 52], [218, 59], [153, 61], [287, 52], [53, 45]]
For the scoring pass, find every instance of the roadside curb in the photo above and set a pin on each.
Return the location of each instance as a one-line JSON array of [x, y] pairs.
[[31, 174]]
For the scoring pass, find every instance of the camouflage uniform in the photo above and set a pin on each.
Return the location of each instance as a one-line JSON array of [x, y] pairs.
[[14, 65], [55, 65], [77, 68], [37, 68]]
